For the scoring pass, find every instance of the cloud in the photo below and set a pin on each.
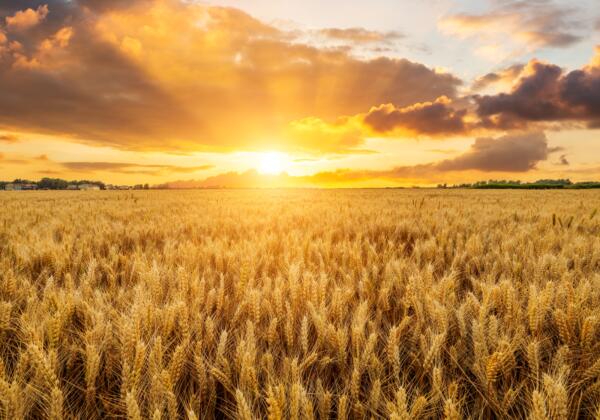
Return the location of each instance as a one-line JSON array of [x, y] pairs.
[[514, 28], [107, 5], [440, 118], [180, 76], [49, 172], [9, 138], [46, 54], [183, 76], [26, 19], [563, 161], [130, 168], [343, 135], [443, 151], [360, 35], [12, 161], [511, 153], [545, 93], [248, 179], [516, 153], [504, 76], [436, 118]]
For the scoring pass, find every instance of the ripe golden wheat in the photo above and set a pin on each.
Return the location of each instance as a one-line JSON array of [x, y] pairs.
[[300, 304]]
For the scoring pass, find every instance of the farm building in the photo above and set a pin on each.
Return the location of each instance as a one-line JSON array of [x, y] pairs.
[[20, 187], [89, 187]]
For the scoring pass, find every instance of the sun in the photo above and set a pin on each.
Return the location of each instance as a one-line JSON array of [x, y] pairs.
[[272, 163]]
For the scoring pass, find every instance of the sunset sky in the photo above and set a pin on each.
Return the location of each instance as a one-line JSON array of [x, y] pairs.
[[299, 92]]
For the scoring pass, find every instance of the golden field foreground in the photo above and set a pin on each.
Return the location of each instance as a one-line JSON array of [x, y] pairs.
[[300, 304]]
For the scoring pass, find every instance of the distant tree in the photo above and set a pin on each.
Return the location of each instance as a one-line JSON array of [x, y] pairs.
[[554, 181], [22, 181], [53, 184]]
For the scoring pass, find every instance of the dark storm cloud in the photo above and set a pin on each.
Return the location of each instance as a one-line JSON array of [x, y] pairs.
[[545, 94]]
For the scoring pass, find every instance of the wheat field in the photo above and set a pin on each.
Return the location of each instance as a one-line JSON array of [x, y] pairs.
[[401, 304]]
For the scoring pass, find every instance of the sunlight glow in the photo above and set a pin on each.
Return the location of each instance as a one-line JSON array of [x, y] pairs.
[[273, 163]]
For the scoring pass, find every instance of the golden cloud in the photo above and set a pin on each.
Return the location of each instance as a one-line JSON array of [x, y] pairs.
[[26, 19], [506, 76], [9, 138], [168, 75], [437, 118], [181, 76], [343, 135]]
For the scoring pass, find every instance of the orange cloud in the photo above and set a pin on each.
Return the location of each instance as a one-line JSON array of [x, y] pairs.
[[169, 75], [12, 161], [341, 136], [48, 52], [9, 138], [26, 19], [182, 76]]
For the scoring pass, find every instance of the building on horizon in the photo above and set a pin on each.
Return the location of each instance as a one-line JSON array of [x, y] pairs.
[[20, 187], [89, 187]]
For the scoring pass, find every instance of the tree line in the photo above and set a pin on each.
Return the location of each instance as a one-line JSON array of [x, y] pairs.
[[541, 184]]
